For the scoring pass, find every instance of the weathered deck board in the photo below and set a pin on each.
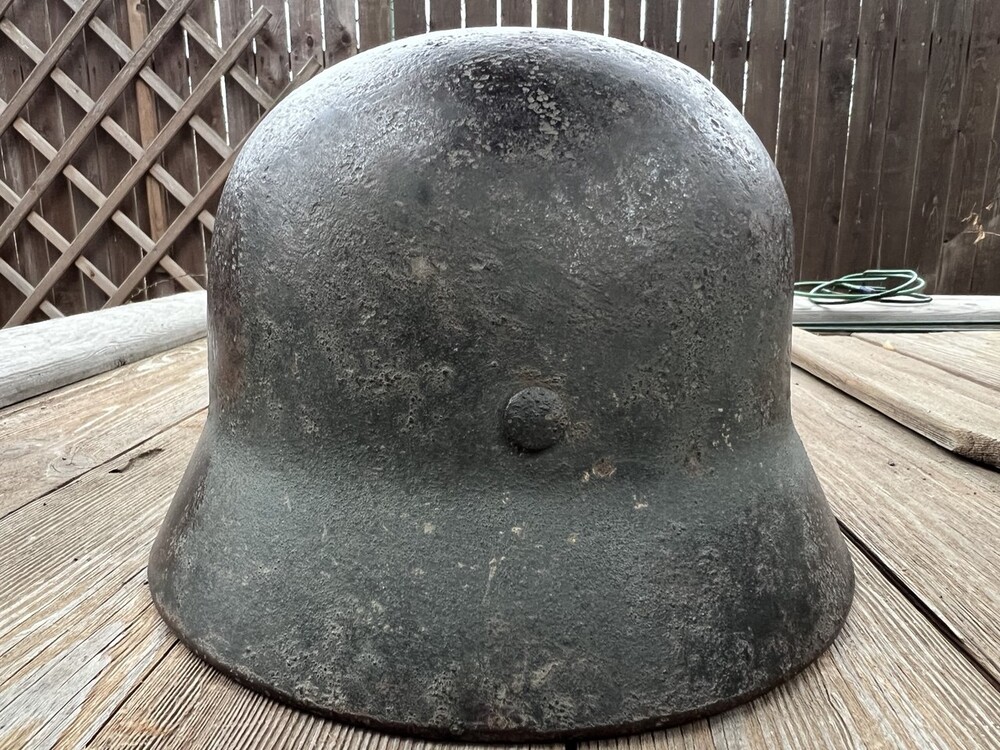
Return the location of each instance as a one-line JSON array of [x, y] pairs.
[[973, 355], [931, 518], [77, 628], [955, 413], [48, 440]]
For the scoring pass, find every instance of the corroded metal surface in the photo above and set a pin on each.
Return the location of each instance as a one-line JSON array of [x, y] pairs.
[[499, 443]]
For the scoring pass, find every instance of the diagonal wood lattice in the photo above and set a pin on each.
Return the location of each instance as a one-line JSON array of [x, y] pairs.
[[116, 143]]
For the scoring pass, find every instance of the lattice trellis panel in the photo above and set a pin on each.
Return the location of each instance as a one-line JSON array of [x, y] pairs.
[[115, 143]]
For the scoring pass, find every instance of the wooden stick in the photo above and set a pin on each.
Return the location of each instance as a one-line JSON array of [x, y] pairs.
[[24, 287], [111, 127], [91, 191], [83, 130], [41, 70], [142, 165], [211, 186]]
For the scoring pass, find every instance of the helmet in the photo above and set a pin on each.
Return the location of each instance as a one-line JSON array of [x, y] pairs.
[[499, 442]]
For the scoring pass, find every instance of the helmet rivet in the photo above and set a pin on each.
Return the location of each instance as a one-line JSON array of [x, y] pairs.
[[535, 418]]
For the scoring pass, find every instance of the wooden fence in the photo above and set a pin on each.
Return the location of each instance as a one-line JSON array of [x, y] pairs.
[[121, 119]]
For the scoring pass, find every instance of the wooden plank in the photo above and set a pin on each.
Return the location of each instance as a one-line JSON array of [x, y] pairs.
[[105, 163], [889, 681], [957, 414], [78, 628], [765, 56], [588, 15], [943, 312], [409, 18], [373, 18], [46, 113], [938, 131], [340, 31], [857, 228], [731, 49], [899, 160], [551, 14], [30, 254], [305, 29], [695, 46], [973, 355], [50, 439], [44, 356], [515, 13], [829, 142], [931, 519], [446, 14], [91, 119], [969, 192], [800, 84], [271, 47], [625, 20], [480, 13], [139, 168], [245, 99]]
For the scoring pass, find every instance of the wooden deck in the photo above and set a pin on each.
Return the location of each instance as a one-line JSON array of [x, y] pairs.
[[87, 471]]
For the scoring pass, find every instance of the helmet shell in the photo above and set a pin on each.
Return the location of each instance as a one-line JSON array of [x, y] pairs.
[[499, 442]]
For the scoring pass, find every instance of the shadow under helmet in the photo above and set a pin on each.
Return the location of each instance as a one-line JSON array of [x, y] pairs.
[[499, 442]]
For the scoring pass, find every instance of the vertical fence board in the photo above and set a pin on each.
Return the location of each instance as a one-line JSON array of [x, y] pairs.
[[21, 161], [902, 134], [866, 137], [967, 199], [373, 18], [515, 13], [242, 109], [826, 170], [588, 15], [942, 107], [305, 30], [105, 162], [765, 56], [625, 20], [798, 108], [410, 18], [731, 49], [446, 14], [552, 14], [339, 31], [695, 47], [179, 158], [480, 13], [271, 58], [45, 113], [661, 27]]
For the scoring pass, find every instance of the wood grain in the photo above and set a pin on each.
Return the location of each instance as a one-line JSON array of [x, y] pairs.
[[973, 355], [731, 49], [955, 413], [694, 47], [48, 440], [78, 629], [932, 519], [48, 355], [764, 58], [942, 312]]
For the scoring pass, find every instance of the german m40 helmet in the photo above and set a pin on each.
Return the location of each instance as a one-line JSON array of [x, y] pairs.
[[499, 442]]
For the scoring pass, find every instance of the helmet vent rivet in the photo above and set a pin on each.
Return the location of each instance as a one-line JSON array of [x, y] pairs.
[[535, 418]]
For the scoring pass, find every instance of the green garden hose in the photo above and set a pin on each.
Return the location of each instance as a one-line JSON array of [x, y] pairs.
[[897, 285]]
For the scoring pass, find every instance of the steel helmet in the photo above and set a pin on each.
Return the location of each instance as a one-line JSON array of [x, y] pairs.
[[499, 442]]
